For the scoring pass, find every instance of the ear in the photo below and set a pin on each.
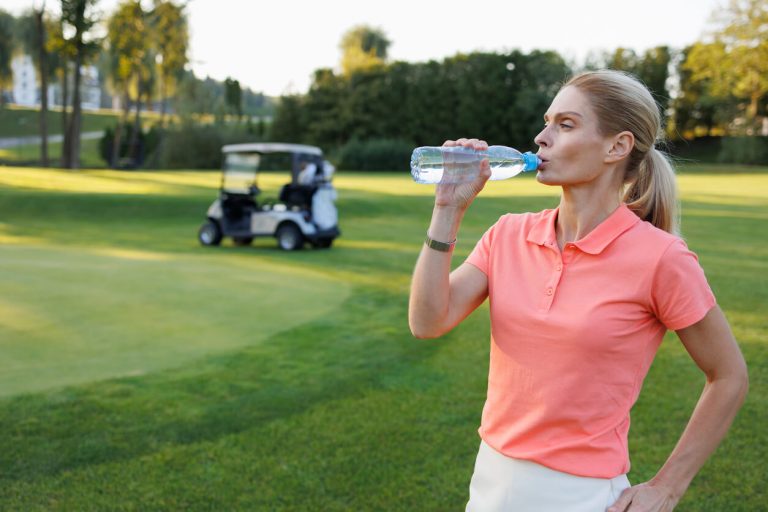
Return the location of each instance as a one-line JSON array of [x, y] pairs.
[[621, 147]]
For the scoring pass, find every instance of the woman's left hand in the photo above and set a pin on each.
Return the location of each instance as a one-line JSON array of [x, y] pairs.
[[645, 498]]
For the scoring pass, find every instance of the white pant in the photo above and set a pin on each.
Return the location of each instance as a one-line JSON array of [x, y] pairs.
[[501, 483]]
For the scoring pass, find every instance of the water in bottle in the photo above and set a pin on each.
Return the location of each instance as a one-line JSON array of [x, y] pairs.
[[458, 164]]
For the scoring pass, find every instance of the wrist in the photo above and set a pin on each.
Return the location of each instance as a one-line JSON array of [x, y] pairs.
[[674, 489], [445, 223]]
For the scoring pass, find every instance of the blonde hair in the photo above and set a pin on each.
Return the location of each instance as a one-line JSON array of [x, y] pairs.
[[623, 103]]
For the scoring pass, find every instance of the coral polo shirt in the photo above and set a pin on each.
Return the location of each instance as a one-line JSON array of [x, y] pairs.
[[573, 333]]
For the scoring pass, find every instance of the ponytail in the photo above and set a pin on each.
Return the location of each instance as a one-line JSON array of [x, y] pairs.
[[652, 195]]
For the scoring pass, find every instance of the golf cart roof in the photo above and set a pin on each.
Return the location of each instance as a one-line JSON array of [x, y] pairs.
[[272, 147]]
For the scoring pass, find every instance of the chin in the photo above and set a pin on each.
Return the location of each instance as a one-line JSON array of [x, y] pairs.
[[547, 178]]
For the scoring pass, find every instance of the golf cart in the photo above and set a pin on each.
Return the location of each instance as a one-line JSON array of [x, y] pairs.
[[303, 212]]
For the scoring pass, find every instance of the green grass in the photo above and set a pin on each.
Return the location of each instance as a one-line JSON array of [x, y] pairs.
[[18, 155], [21, 121], [139, 371]]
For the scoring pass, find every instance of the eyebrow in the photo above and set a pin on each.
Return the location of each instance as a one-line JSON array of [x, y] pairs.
[[565, 114]]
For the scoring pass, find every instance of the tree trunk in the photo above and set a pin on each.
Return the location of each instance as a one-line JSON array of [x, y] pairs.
[[43, 69], [162, 101], [133, 146], [754, 124], [118, 140], [74, 122], [64, 120]]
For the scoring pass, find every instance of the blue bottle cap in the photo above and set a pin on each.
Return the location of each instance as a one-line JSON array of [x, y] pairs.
[[531, 161]]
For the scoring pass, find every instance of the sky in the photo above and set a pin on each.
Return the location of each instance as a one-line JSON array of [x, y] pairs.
[[274, 46]]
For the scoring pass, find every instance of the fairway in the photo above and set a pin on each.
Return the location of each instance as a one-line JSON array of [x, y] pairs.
[[141, 371]]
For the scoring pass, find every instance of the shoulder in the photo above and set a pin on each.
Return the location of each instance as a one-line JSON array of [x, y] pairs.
[[652, 238], [660, 249]]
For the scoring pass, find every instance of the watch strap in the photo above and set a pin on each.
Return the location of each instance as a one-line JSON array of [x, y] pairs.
[[439, 246]]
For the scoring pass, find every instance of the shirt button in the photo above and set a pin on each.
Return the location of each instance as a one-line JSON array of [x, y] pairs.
[[549, 291], [559, 267]]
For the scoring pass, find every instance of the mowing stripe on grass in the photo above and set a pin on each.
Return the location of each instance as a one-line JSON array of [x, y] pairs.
[[71, 316]]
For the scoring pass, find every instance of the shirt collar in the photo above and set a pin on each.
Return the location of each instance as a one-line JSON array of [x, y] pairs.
[[622, 218]]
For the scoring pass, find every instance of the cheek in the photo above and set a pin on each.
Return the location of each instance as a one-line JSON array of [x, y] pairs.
[[587, 152]]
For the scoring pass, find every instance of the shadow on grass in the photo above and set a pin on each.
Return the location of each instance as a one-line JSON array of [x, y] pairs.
[[364, 346]]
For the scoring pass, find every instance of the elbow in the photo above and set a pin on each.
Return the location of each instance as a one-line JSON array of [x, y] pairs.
[[742, 378], [744, 384], [422, 333], [423, 330], [736, 382]]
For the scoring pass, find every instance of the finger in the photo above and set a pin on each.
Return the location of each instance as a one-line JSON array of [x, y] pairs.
[[623, 502], [449, 143], [481, 145], [485, 169]]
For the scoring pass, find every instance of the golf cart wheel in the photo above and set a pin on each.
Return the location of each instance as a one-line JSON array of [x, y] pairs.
[[242, 241], [209, 234], [323, 243], [289, 237]]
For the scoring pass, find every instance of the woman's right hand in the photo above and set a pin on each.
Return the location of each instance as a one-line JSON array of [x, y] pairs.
[[461, 195]]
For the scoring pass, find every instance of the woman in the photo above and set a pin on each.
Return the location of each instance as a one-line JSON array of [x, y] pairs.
[[580, 298]]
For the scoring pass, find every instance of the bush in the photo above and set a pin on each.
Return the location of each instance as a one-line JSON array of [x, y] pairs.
[[698, 150], [744, 150], [728, 150], [193, 146], [127, 157], [375, 155]]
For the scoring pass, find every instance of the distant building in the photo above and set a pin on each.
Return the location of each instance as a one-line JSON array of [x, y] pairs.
[[26, 89]]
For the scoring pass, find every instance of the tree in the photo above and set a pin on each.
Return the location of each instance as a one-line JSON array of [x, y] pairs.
[[77, 15], [363, 47], [653, 70], [696, 111], [623, 59], [499, 96], [290, 120], [31, 30], [233, 97], [7, 23], [735, 60], [59, 54], [129, 50], [171, 41], [189, 99]]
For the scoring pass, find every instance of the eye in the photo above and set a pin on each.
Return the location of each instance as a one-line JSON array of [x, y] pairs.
[[566, 126]]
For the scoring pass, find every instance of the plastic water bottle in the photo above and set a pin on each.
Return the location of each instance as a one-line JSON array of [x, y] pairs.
[[428, 163]]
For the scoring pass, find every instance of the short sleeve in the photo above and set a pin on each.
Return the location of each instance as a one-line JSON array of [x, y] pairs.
[[480, 255], [680, 294]]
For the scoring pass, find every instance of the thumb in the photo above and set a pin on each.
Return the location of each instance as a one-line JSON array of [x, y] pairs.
[[485, 169], [623, 502]]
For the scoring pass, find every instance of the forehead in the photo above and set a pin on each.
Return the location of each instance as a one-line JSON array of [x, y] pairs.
[[570, 99]]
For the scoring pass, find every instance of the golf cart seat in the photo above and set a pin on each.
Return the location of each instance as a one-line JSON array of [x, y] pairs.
[[297, 195], [236, 206]]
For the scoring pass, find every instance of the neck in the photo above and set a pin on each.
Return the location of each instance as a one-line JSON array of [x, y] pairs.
[[581, 211]]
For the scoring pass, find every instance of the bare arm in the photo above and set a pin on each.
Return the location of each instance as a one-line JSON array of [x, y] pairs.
[[713, 348], [440, 299]]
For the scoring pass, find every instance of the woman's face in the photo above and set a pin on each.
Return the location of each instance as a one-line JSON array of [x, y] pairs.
[[571, 147]]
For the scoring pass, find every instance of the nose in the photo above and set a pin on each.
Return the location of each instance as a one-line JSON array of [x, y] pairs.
[[542, 139]]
